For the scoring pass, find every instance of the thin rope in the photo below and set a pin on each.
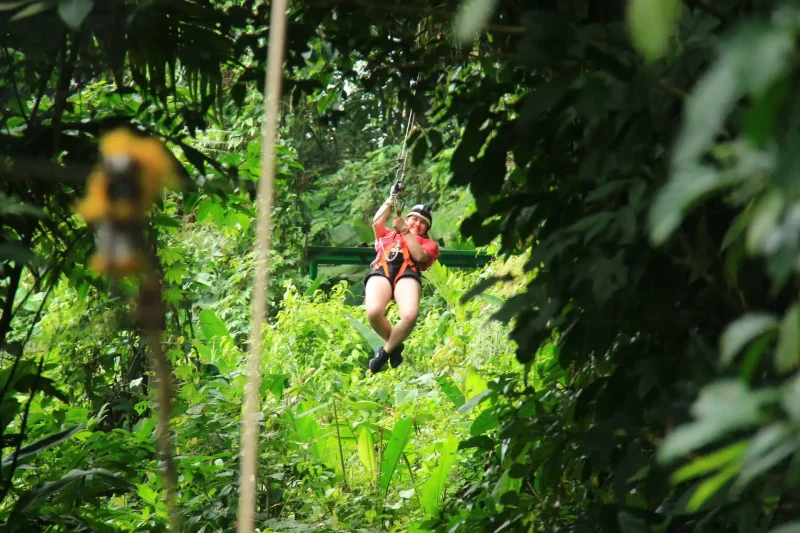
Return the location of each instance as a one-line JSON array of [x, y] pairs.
[[404, 151], [250, 425]]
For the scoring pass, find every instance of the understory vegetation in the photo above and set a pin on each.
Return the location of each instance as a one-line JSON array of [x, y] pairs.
[[629, 361]]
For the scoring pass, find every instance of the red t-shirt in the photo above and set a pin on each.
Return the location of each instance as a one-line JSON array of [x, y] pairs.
[[387, 237]]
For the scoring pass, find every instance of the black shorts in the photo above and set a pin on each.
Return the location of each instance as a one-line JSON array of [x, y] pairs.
[[394, 269]]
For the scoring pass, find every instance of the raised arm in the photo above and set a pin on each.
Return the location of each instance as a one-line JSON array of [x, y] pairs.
[[380, 218]]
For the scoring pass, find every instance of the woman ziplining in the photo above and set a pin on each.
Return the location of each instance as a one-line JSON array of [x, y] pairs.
[[395, 273]]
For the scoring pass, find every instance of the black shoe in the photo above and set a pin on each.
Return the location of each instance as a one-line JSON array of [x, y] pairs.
[[377, 362], [396, 357]]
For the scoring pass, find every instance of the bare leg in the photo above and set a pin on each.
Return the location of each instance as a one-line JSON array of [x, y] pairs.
[[406, 294], [377, 296]]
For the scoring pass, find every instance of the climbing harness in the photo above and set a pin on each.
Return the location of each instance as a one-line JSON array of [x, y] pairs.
[[397, 248], [389, 256]]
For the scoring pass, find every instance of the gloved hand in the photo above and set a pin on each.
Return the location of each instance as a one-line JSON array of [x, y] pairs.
[[396, 189], [399, 225]]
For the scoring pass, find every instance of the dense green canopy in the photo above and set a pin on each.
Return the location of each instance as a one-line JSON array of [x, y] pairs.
[[637, 157]]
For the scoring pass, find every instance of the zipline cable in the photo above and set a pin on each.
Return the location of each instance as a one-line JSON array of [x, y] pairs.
[[400, 169]]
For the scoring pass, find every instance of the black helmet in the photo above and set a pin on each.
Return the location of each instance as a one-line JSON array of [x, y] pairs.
[[424, 212]]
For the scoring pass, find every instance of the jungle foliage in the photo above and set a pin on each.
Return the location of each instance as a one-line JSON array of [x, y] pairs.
[[633, 159]]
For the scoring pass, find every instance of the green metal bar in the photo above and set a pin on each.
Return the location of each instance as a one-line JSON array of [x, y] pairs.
[[347, 255]]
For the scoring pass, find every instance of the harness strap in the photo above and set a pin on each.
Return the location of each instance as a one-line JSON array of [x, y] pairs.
[[408, 261]]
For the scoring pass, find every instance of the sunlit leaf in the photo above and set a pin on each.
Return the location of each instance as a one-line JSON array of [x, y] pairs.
[[32, 9], [765, 215], [372, 338], [711, 462], [787, 353], [431, 490], [366, 451], [74, 12], [472, 16], [652, 24], [211, 325], [710, 486], [451, 390], [394, 450], [768, 447], [721, 407]]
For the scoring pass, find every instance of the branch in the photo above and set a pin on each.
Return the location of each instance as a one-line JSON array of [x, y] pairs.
[[13, 370], [39, 95], [23, 427], [66, 66], [8, 305], [16, 91]]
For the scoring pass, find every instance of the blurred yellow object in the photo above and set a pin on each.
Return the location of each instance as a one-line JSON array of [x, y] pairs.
[[130, 177], [132, 173]]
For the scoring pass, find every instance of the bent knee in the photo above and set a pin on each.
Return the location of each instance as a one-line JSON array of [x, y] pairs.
[[409, 315], [375, 312]]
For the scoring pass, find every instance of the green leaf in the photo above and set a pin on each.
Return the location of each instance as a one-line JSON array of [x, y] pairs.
[[204, 209], [767, 448], [486, 421], [787, 353], [504, 485], [37, 495], [10, 205], [33, 9], [8, 6], [474, 383], [26, 383], [766, 213], [41, 445], [471, 17], [790, 399], [274, 383], [791, 527], [491, 299], [652, 24], [394, 451], [195, 157], [475, 400], [211, 325], [451, 390], [710, 486], [19, 254], [402, 396], [147, 494], [431, 491], [706, 108], [722, 406], [9, 408], [166, 221], [315, 285], [365, 405], [711, 462], [74, 12], [343, 234], [372, 338], [481, 441], [742, 331], [366, 452], [687, 186]]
